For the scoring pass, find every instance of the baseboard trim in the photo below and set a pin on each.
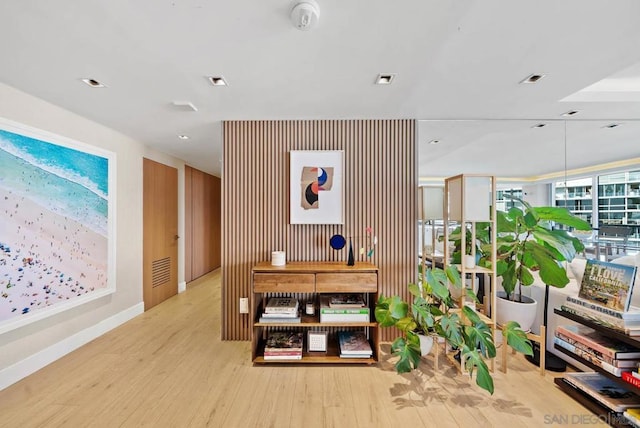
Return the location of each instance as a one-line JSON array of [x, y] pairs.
[[182, 287], [33, 363]]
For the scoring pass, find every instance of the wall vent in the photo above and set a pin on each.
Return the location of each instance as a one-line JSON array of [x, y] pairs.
[[160, 271]]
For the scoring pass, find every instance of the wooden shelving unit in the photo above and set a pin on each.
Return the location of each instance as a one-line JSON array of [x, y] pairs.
[[615, 419], [307, 281], [468, 200]]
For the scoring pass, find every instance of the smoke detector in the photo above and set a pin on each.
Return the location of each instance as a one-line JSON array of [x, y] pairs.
[[305, 15]]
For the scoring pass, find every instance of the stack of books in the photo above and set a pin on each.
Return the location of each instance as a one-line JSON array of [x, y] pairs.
[[281, 310], [354, 344], [627, 322], [606, 391], [612, 356], [632, 378], [633, 416], [343, 310], [283, 345], [344, 301], [605, 297]]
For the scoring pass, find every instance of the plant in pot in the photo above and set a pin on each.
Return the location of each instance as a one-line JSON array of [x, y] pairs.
[[526, 242], [433, 312]]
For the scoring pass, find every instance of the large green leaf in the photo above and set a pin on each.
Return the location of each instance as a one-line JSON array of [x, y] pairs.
[[473, 360], [558, 240], [389, 310], [408, 351], [562, 216], [406, 324], [517, 338], [551, 271]]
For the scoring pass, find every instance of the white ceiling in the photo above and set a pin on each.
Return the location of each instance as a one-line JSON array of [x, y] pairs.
[[458, 59]]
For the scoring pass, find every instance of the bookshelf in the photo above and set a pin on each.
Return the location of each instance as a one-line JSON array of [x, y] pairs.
[[307, 281], [470, 203], [614, 419]]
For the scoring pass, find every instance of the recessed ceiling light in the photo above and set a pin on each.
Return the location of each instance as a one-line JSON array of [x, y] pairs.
[[183, 137], [532, 78], [570, 113], [217, 80], [434, 142], [612, 125], [385, 78], [539, 125], [93, 83]]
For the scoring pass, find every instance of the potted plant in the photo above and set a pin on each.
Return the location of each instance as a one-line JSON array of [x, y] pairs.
[[433, 312], [526, 242]]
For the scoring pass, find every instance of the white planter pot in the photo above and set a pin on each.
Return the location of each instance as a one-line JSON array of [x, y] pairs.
[[469, 261], [426, 343], [522, 313]]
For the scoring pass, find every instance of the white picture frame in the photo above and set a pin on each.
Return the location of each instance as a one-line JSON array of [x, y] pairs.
[[319, 202], [58, 222]]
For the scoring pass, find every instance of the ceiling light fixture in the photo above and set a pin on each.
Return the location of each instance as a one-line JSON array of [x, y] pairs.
[[570, 113], [532, 78], [185, 105], [217, 81], [385, 78], [305, 15], [93, 83], [183, 137], [612, 125], [539, 125]]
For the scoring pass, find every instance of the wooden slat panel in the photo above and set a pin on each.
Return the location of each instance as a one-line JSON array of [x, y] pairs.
[[380, 176]]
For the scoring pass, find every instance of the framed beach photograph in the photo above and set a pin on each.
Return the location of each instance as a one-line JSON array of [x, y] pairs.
[[57, 224], [316, 187]]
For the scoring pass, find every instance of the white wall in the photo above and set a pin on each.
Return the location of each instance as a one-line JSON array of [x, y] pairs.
[[26, 349], [537, 194]]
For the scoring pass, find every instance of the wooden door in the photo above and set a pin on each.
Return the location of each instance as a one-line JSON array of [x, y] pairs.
[[160, 233]]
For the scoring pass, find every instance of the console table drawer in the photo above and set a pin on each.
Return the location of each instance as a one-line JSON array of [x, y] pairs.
[[346, 282], [286, 283]]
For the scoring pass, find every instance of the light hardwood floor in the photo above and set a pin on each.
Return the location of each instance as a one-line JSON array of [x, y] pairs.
[[169, 368]]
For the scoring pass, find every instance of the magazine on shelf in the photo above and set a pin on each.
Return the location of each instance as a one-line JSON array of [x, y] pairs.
[[631, 317], [608, 284], [630, 378], [283, 340], [595, 340], [280, 320], [597, 317], [596, 354], [354, 343], [281, 305], [346, 315], [344, 300], [616, 371], [606, 391], [281, 315], [633, 416], [283, 357]]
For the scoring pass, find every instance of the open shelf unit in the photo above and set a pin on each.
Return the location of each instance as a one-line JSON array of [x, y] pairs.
[[615, 419], [307, 281], [470, 200]]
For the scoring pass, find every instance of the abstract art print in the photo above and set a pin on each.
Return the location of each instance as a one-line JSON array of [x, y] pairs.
[[316, 187], [56, 240]]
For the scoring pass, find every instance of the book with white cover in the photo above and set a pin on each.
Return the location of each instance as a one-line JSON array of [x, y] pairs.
[[281, 305]]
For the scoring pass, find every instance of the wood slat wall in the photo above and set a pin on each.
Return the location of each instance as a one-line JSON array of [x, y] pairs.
[[381, 180]]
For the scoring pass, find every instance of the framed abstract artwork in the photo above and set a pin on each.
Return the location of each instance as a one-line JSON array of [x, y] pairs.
[[57, 224], [316, 186]]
